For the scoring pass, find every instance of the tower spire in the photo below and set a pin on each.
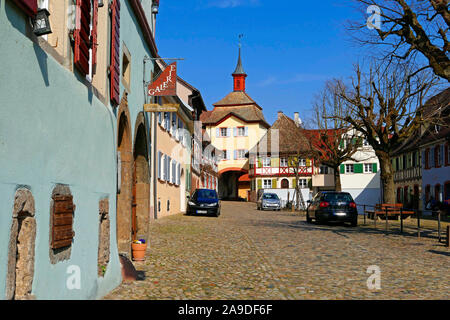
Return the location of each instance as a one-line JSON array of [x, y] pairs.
[[239, 74]]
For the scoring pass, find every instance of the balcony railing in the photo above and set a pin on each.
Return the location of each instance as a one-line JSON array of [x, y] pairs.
[[408, 174], [281, 171]]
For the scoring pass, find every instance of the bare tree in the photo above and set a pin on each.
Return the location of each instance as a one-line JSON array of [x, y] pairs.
[[334, 140], [383, 105], [408, 27]]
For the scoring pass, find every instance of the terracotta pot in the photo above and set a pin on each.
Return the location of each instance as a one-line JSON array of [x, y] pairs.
[[138, 251]]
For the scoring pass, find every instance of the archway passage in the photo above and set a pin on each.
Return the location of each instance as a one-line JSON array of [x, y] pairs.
[[141, 186], [125, 173], [230, 186], [21, 248]]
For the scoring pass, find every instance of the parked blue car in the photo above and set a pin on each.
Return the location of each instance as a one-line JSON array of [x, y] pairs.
[[204, 202]]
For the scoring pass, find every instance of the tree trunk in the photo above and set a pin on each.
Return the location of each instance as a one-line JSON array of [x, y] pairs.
[[337, 179], [387, 177]]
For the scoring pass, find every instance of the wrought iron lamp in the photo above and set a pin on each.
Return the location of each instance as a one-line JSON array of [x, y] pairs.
[[155, 6], [41, 23]]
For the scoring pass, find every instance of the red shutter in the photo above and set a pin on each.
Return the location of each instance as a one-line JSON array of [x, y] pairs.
[[115, 50], [94, 34], [81, 36], [29, 6]]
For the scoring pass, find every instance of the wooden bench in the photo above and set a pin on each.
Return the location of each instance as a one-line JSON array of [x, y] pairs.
[[391, 210]]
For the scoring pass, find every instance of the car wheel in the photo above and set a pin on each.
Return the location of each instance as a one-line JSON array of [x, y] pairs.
[[308, 218], [354, 222]]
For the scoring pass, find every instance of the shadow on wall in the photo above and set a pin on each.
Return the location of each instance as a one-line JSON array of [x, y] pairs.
[[23, 25]]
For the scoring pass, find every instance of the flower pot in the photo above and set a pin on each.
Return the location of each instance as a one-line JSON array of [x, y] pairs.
[[138, 250]]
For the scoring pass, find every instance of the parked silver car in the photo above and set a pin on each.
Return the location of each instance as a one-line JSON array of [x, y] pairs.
[[268, 201]]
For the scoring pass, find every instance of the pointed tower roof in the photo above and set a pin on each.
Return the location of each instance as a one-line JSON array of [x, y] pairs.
[[239, 68]]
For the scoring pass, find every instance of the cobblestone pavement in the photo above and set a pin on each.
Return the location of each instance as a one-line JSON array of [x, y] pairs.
[[249, 254]]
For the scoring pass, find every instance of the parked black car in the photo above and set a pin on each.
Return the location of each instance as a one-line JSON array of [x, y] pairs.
[[204, 202], [332, 206]]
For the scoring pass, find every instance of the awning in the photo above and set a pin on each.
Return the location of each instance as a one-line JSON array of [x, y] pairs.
[[244, 178]]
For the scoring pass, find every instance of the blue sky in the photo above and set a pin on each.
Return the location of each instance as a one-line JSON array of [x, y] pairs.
[[290, 48]]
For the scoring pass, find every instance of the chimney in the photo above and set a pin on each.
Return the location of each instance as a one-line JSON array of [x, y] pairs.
[[279, 114], [297, 119]]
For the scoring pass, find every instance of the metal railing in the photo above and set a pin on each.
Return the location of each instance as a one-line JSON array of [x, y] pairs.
[[401, 212]]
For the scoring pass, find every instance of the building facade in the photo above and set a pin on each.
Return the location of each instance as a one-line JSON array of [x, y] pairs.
[[235, 125]]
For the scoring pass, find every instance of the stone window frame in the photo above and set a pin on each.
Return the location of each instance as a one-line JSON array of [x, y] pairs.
[[61, 254], [125, 74]]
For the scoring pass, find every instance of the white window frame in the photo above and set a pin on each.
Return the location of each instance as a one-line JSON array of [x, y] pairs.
[[303, 183], [370, 166], [350, 165], [221, 132], [266, 162], [269, 184], [302, 163], [284, 162], [324, 169]]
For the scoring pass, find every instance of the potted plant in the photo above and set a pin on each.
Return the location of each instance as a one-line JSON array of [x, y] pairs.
[[138, 248]]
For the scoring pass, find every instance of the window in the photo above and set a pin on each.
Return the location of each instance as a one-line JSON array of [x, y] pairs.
[[437, 156], [368, 167], [302, 163], [266, 162], [241, 132], [349, 168], [126, 68], [323, 170], [225, 154], [303, 183], [267, 183], [240, 154], [222, 132], [283, 162], [447, 155], [366, 143]]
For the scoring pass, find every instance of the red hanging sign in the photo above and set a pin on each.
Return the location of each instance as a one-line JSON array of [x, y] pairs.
[[166, 84]]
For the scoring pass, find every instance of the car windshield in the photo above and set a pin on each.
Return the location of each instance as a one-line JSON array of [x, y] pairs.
[[205, 194], [270, 196], [337, 197]]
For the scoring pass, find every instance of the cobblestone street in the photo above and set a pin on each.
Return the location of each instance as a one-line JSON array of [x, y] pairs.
[[250, 254]]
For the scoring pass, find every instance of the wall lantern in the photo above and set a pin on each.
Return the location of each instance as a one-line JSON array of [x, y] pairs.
[[100, 3], [155, 6], [41, 23]]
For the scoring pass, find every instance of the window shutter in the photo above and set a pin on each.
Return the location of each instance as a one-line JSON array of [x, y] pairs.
[[235, 154], [342, 168], [308, 162], [441, 156], [159, 164], [94, 35], [432, 152], [423, 159], [246, 131], [260, 184], [274, 183], [446, 155], [358, 168], [218, 132], [81, 36], [375, 168], [114, 68], [29, 6], [228, 132], [62, 221], [274, 162], [294, 183], [235, 132]]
